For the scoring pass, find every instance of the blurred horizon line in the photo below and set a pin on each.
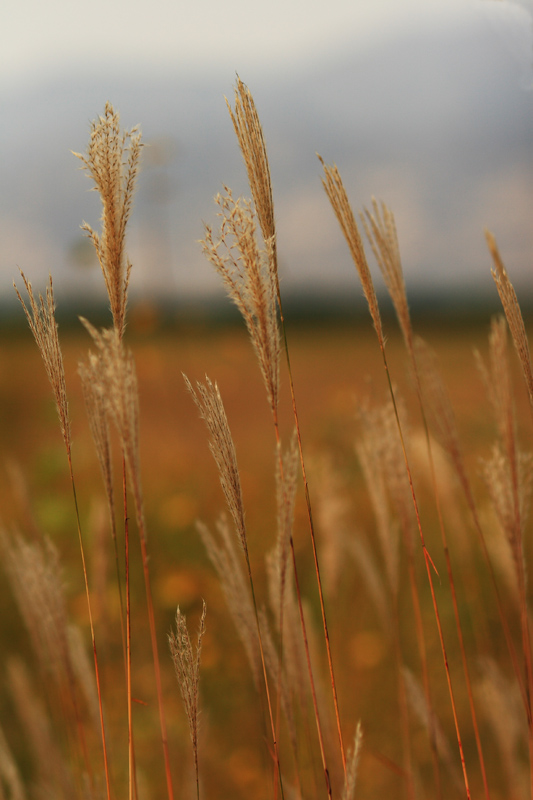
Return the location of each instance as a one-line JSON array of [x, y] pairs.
[[155, 312]]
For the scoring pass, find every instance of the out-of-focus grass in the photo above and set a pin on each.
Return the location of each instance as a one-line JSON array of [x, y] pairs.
[[334, 368]]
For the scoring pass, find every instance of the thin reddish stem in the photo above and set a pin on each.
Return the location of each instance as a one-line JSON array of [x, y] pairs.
[[277, 770], [89, 608], [132, 779], [429, 566], [308, 657], [451, 581], [155, 652], [402, 702], [313, 538], [302, 621]]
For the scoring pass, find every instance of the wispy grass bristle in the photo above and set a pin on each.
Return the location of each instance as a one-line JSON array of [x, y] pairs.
[[209, 403], [112, 373], [52, 772], [426, 716], [376, 456], [358, 551], [112, 162], [286, 485], [500, 487], [338, 198], [502, 708], [251, 140], [187, 667], [249, 276], [512, 312], [438, 406], [352, 763], [9, 773], [332, 509], [35, 577], [497, 380], [224, 555], [42, 321], [508, 471], [97, 415], [380, 228]]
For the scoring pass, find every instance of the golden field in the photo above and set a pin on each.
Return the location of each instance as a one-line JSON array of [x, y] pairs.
[[336, 371]]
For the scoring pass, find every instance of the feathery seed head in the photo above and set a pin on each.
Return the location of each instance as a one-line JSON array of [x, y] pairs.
[[114, 382], [380, 456], [209, 402], [252, 143], [99, 423], [380, 228], [112, 162], [34, 573], [352, 763], [249, 276], [187, 666], [512, 312], [338, 198], [43, 325], [286, 483], [224, 554]]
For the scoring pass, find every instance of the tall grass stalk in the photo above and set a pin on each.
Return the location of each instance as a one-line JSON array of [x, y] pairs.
[[446, 428], [41, 319], [209, 403], [132, 772], [187, 666], [339, 200], [516, 325], [252, 143], [114, 375], [249, 276], [112, 162], [513, 314], [379, 462], [507, 486], [381, 232]]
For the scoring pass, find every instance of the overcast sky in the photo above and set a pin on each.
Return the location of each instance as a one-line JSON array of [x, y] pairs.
[[40, 37], [398, 90]]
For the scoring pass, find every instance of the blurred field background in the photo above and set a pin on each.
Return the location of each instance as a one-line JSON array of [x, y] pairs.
[[426, 106], [336, 368]]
